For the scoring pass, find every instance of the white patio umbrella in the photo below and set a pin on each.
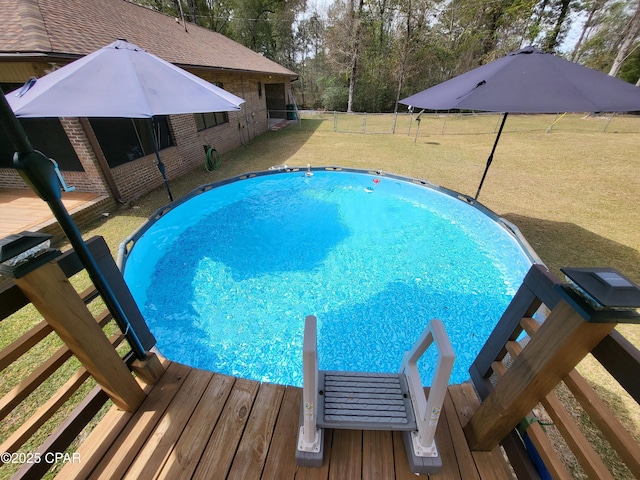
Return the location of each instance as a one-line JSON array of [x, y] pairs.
[[120, 80]]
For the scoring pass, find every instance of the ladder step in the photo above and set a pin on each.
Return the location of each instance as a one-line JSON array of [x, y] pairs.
[[388, 406], [371, 423], [364, 401], [350, 394]]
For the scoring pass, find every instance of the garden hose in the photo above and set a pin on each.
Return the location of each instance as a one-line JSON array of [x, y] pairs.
[[212, 161]]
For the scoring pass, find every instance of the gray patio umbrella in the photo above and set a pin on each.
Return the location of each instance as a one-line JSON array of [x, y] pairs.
[[120, 80], [529, 81]]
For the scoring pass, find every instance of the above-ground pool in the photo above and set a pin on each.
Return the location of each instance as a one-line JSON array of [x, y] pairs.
[[226, 276]]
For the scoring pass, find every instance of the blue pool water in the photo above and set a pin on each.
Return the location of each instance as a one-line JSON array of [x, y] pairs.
[[226, 279]]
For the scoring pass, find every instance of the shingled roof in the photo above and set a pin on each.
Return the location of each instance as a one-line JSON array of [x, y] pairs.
[[63, 28]]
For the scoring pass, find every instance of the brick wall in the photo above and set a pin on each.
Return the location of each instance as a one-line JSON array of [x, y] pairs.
[[142, 175], [9, 178], [92, 179], [138, 177]]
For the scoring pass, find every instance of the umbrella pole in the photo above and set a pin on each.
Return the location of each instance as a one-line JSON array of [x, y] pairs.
[[490, 159], [38, 172], [418, 127], [159, 161]]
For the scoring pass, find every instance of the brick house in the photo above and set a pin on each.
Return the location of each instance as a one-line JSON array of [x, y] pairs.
[[114, 157]]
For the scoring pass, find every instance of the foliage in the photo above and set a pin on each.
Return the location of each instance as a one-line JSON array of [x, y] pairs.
[[630, 70], [600, 49], [365, 55]]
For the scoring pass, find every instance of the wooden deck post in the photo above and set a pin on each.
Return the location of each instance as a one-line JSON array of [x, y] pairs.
[[562, 341], [55, 298]]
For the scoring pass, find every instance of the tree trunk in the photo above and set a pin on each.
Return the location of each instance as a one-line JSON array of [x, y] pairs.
[[354, 57], [193, 11], [405, 54], [551, 42], [491, 18], [625, 48], [587, 25]]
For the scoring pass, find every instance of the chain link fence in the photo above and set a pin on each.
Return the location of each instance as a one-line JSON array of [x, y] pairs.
[[428, 124]]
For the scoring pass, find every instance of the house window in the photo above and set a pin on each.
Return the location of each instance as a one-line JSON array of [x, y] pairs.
[[211, 119], [208, 120], [259, 89], [47, 136], [123, 140]]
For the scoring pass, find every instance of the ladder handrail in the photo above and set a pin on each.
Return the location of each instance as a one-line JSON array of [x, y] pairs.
[[309, 437], [427, 409]]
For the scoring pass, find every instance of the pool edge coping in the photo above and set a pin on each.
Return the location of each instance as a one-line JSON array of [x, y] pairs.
[[123, 251]]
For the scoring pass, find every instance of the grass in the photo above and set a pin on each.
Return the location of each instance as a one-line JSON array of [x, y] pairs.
[[572, 191]]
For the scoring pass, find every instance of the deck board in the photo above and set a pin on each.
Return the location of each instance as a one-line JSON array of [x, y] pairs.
[[252, 451], [377, 455], [402, 471], [125, 448], [22, 209], [489, 464], [283, 441], [197, 424], [184, 458], [220, 451], [451, 448], [153, 455], [460, 456]]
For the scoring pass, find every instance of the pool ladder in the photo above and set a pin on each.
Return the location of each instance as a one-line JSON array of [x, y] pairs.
[[375, 401]]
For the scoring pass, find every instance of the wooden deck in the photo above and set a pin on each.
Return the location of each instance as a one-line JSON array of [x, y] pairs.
[[22, 209], [196, 424]]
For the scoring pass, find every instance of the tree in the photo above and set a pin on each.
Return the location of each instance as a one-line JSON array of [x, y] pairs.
[[215, 15], [416, 36], [356, 16], [631, 35], [630, 69], [311, 66], [594, 10], [366, 55], [194, 14], [613, 28], [560, 18]]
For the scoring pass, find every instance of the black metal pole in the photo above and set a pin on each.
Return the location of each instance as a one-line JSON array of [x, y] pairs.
[[490, 159], [151, 123], [38, 172]]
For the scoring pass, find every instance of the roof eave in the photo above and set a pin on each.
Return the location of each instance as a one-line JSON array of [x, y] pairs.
[[290, 74], [51, 56]]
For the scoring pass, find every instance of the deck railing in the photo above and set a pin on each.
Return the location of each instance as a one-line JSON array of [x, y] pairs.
[[515, 331], [56, 375]]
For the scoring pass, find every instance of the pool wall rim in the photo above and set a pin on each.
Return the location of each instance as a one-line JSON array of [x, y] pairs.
[[125, 247]]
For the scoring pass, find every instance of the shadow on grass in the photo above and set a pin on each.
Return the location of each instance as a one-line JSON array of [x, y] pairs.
[[561, 244], [592, 432], [614, 400], [275, 146], [555, 243]]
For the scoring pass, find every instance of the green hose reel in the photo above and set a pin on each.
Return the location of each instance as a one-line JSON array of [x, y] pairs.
[[212, 158]]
